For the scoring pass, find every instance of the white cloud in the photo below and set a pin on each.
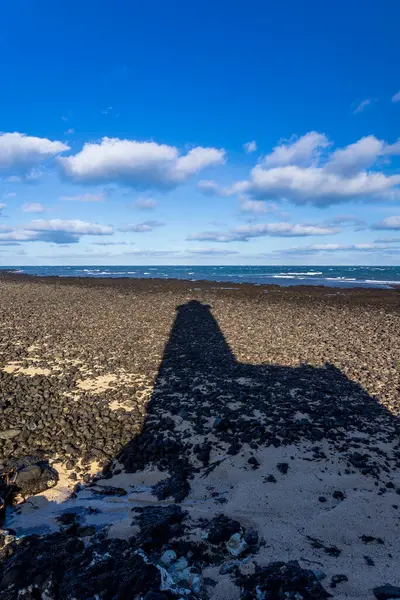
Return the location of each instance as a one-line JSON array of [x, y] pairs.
[[396, 97], [141, 227], [20, 153], [144, 204], [100, 197], [315, 178], [211, 252], [356, 157], [73, 226], [152, 253], [250, 147], [70, 131], [33, 207], [257, 206], [245, 232], [2, 205], [9, 195], [330, 248], [316, 185], [361, 106], [388, 223], [137, 163], [298, 151]]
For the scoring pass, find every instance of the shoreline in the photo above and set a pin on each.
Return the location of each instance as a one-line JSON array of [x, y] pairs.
[[148, 283], [162, 404], [297, 279]]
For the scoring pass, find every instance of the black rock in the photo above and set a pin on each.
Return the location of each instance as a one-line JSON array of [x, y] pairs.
[[338, 495], [221, 528], [281, 580], [338, 579], [283, 468], [253, 462], [386, 592]]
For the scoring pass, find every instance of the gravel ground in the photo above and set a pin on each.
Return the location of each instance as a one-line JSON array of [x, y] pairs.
[[231, 395]]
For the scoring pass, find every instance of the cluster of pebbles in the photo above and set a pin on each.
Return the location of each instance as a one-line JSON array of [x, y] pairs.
[[309, 367]]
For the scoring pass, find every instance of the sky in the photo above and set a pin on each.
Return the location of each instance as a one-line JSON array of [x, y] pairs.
[[178, 132]]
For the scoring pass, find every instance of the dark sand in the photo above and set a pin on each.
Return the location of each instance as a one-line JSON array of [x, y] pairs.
[[199, 409]]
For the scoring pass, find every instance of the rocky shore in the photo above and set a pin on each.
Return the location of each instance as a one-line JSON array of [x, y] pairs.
[[174, 439]]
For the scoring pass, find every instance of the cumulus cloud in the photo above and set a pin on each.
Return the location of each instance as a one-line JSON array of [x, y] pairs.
[[356, 157], [20, 153], [396, 97], [100, 197], [70, 226], [246, 232], [250, 147], [361, 106], [57, 231], [141, 164], [33, 207], [312, 177], [144, 204], [388, 223], [298, 151], [142, 227]]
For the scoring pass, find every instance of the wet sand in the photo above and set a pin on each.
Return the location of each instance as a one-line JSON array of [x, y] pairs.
[[277, 407]]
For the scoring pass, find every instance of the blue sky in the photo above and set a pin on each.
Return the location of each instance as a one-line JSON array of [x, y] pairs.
[[208, 132]]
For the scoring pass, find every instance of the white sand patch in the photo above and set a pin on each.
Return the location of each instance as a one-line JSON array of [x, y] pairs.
[[16, 368], [119, 379], [98, 384], [115, 405], [286, 512]]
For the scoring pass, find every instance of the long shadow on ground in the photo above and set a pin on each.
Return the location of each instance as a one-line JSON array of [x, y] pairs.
[[205, 405]]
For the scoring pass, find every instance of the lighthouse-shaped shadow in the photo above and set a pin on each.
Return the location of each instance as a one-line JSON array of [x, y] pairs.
[[203, 398]]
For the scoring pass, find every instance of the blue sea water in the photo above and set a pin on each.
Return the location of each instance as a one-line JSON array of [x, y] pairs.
[[378, 277]]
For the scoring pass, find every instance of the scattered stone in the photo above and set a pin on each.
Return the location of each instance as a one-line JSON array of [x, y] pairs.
[[253, 462], [281, 580], [9, 434], [283, 468], [386, 592], [236, 545], [368, 539], [331, 550], [168, 558], [338, 579], [221, 529], [338, 495]]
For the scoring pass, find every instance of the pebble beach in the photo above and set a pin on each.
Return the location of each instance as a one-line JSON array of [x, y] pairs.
[[173, 439]]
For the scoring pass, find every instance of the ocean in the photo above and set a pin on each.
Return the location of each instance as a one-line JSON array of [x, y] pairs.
[[334, 276]]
